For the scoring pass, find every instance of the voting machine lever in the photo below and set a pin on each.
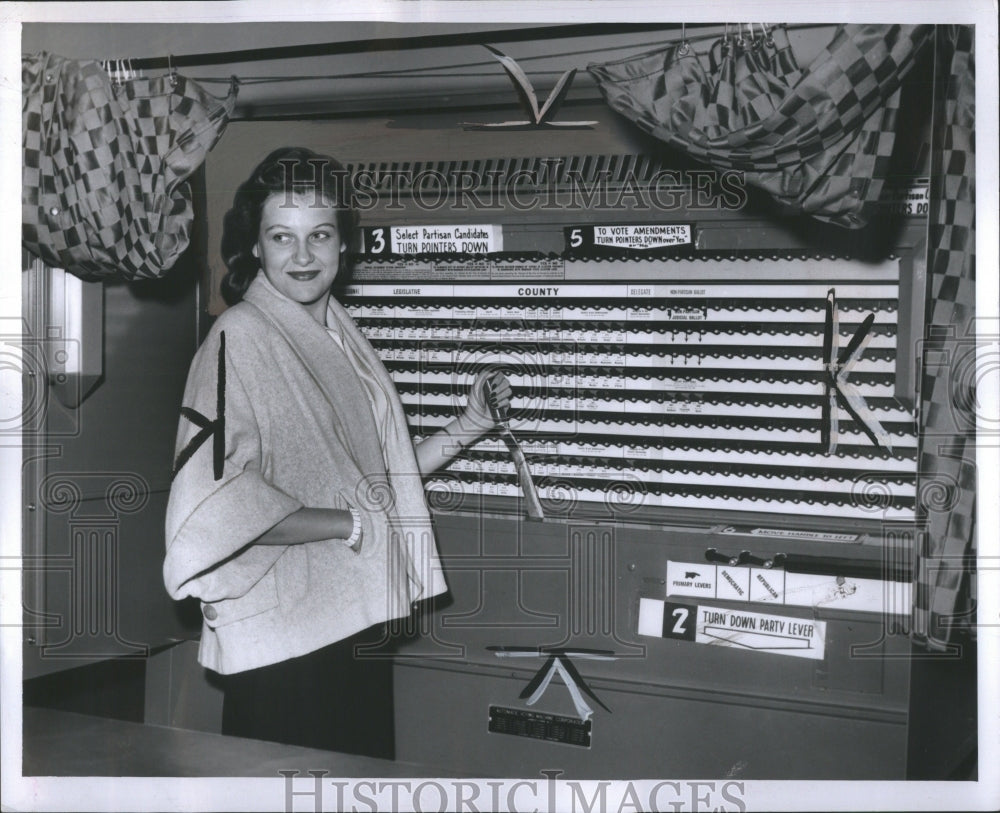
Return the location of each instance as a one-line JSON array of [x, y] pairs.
[[715, 555], [502, 418]]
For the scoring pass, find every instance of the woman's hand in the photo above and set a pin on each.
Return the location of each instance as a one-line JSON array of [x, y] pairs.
[[478, 411], [475, 420]]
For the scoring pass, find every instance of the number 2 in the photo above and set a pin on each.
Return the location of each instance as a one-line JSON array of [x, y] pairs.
[[680, 615], [679, 621]]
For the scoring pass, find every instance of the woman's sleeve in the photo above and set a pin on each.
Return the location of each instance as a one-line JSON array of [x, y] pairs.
[[219, 500]]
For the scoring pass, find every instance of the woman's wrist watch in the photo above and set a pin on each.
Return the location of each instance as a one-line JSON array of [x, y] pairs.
[[354, 540]]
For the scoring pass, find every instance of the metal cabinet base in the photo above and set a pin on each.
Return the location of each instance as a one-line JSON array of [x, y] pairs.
[[661, 707], [442, 716]]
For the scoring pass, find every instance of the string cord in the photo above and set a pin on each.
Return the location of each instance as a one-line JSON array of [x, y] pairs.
[[457, 69]]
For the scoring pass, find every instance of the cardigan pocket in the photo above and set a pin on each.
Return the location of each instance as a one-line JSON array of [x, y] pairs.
[[260, 598]]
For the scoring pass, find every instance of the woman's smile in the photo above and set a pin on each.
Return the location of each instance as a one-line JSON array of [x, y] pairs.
[[299, 249]]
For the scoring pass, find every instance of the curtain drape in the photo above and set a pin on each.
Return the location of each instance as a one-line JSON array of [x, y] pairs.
[[818, 140], [947, 465], [105, 165]]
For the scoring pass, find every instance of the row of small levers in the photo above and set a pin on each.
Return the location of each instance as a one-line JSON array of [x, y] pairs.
[[570, 380], [679, 334], [549, 411], [629, 495], [690, 472], [780, 312], [853, 454], [735, 434], [540, 356]]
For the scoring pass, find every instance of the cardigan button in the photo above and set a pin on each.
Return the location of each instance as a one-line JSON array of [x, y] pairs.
[[210, 612], [54, 211]]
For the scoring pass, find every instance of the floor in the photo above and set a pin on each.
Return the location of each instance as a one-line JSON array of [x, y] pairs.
[[61, 743]]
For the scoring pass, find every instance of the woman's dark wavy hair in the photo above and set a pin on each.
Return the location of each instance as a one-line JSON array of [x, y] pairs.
[[286, 170]]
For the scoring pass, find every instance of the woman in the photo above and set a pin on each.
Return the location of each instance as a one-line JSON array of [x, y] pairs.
[[296, 513]]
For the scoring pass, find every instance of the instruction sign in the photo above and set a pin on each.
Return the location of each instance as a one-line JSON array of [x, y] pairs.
[[914, 199], [735, 628], [410, 240], [791, 533], [629, 237], [777, 586]]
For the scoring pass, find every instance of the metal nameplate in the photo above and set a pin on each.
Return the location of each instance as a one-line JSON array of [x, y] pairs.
[[540, 726]]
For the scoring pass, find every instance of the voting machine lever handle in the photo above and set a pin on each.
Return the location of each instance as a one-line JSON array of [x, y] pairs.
[[715, 555], [744, 557], [878, 570], [502, 418]]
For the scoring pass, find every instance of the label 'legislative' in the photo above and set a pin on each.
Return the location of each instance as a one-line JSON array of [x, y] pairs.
[[465, 239]]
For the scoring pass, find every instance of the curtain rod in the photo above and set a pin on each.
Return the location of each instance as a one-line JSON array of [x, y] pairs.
[[394, 43], [427, 71]]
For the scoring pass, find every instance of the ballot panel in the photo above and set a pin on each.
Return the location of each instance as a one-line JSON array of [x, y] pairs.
[[706, 384]]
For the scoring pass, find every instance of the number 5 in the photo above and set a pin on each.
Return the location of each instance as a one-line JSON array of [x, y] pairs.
[[576, 238]]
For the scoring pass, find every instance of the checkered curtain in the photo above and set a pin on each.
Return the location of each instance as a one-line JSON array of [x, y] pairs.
[[947, 466], [818, 140], [104, 190]]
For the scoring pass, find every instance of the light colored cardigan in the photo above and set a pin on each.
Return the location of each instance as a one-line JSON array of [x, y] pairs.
[[290, 440]]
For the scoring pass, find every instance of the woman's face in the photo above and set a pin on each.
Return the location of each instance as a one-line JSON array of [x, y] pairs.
[[299, 248]]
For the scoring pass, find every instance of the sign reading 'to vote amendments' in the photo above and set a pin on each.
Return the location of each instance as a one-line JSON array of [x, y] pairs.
[[629, 237]]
